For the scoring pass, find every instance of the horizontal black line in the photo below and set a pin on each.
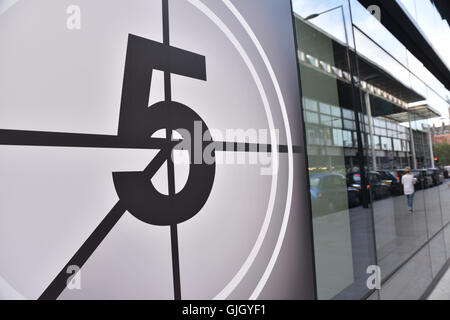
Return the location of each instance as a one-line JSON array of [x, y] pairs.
[[252, 147], [62, 139], [83, 140]]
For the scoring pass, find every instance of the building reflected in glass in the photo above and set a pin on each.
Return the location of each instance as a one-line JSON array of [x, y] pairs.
[[367, 105]]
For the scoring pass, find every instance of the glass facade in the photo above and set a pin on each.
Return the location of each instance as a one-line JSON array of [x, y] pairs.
[[367, 103], [427, 18]]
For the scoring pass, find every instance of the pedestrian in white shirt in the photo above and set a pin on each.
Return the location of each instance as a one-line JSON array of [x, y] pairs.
[[408, 182]]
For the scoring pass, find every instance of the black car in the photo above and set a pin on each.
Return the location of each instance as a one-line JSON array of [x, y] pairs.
[[376, 186], [437, 176], [399, 174], [391, 179], [446, 172], [354, 197], [330, 193], [424, 180]]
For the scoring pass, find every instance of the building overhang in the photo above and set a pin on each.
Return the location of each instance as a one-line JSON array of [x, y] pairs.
[[400, 25], [443, 6], [371, 78], [415, 113]]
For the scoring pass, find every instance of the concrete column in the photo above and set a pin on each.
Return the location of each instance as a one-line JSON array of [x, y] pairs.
[[413, 147], [369, 115], [430, 142]]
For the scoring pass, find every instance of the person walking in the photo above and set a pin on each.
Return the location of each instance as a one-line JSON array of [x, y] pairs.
[[408, 182]]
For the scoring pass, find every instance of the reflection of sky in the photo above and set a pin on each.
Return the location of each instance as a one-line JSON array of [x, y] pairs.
[[331, 23], [6, 4], [372, 27], [379, 57], [435, 29]]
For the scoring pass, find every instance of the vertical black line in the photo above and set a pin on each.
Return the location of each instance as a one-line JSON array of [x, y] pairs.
[[166, 41], [173, 229], [170, 164], [175, 262], [165, 17]]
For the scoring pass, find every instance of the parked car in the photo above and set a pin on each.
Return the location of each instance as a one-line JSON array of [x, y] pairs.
[[446, 172], [377, 187], [437, 176], [442, 176], [399, 174], [329, 193], [390, 179], [424, 179], [354, 197]]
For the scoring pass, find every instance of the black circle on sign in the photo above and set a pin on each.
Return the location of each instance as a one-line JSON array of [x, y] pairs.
[[136, 190]]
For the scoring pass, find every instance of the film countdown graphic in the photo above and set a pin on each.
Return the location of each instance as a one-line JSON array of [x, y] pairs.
[[137, 123]]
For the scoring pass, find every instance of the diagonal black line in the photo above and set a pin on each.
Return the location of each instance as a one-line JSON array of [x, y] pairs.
[[82, 255], [156, 163]]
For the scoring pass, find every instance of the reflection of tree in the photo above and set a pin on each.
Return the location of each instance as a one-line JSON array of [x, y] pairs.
[[442, 152]]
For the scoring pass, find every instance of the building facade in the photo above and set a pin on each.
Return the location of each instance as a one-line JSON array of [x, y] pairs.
[[367, 107], [441, 134], [221, 149]]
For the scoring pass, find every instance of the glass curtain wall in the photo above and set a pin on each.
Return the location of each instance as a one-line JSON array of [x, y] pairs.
[[342, 225], [411, 247], [431, 23], [398, 235], [358, 87]]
